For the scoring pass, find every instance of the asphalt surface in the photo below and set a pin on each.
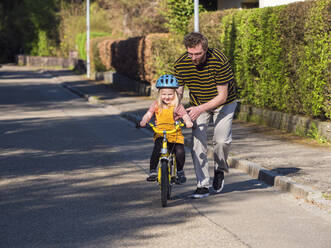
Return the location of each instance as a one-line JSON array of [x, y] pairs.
[[72, 174]]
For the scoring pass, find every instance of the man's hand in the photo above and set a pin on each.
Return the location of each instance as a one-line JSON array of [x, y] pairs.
[[194, 112]]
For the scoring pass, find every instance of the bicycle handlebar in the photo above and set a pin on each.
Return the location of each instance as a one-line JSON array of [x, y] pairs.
[[178, 125]]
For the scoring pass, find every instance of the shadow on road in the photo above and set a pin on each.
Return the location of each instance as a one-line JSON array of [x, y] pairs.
[[78, 181]]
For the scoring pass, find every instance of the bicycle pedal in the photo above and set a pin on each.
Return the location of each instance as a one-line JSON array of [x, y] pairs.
[[173, 180]]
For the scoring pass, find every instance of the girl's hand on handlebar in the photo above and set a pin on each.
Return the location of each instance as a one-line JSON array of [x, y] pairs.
[[142, 123], [145, 119]]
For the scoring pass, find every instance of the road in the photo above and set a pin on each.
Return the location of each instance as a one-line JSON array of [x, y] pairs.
[[73, 175]]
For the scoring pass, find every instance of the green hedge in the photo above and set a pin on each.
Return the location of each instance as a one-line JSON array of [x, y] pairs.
[[165, 50], [280, 55]]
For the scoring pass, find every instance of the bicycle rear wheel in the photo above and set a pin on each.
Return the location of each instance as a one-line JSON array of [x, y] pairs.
[[164, 183]]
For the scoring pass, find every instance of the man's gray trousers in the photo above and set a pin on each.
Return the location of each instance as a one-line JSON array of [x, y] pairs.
[[222, 118]]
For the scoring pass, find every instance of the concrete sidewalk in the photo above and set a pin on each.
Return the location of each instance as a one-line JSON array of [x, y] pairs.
[[285, 161]]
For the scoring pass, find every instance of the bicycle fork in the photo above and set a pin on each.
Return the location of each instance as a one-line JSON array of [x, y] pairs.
[[171, 162]]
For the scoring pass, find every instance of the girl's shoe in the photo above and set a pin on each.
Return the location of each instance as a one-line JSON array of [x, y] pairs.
[[181, 179], [152, 176]]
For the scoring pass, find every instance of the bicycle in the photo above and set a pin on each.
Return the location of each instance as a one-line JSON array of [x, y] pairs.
[[167, 169]]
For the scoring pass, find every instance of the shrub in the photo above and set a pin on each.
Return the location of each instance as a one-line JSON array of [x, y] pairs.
[[210, 25], [43, 46], [128, 57], [72, 27], [81, 42], [97, 63], [105, 53], [164, 50], [281, 56], [315, 69], [178, 14]]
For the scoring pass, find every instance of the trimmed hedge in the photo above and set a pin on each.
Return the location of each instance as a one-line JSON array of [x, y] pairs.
[[128, 58], [102, 52], [163, 50], [280, 55], [140, 58]]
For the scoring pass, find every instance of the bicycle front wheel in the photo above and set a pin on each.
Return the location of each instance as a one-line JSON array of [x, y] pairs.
[[164, 183]]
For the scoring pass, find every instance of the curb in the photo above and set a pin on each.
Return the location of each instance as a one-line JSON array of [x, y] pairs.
[[90, 99], [278, 181]]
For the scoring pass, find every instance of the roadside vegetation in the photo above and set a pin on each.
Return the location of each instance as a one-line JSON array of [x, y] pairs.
[[55, 27]]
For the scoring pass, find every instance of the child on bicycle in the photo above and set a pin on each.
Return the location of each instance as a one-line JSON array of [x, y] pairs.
[[167, 110]]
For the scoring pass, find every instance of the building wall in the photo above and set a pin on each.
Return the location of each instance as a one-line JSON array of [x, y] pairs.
[[268, 3], [228, 4]]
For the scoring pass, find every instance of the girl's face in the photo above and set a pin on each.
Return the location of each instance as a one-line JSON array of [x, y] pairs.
[[167, 95]]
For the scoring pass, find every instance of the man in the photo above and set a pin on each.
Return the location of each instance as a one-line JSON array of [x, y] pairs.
[[208, 76]]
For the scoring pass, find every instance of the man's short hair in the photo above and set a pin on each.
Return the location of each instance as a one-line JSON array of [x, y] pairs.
[[195, 38]]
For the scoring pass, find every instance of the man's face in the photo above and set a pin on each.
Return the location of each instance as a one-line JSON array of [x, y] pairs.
[[197, 54]]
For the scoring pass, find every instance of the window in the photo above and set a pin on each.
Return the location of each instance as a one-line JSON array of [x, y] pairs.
[[249, 4]]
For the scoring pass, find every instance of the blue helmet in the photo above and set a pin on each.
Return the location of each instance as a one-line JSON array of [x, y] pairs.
[[167, 81]]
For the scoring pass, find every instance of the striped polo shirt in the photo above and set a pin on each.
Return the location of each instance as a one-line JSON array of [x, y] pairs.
[[203, 79]]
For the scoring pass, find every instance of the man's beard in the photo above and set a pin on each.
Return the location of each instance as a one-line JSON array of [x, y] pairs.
[[200, 61]]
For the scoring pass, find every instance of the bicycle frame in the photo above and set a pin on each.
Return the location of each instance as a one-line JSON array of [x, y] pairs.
[[164, 150], [169, 160]]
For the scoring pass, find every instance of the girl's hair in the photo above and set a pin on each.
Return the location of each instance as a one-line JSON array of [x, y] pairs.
[[174, 103]]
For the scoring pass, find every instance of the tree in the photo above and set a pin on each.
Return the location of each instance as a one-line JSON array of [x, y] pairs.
[[134, 17], [178, 14]]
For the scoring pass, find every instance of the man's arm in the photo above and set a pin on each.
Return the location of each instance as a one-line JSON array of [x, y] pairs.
[[217, 100], [195, 112]]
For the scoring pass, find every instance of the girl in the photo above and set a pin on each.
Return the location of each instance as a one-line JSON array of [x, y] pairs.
[[167, 110]]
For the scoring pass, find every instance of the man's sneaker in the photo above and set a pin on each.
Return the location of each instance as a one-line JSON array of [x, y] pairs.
[[181, 179], [218, 182], [152, 176], [200, 193]]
